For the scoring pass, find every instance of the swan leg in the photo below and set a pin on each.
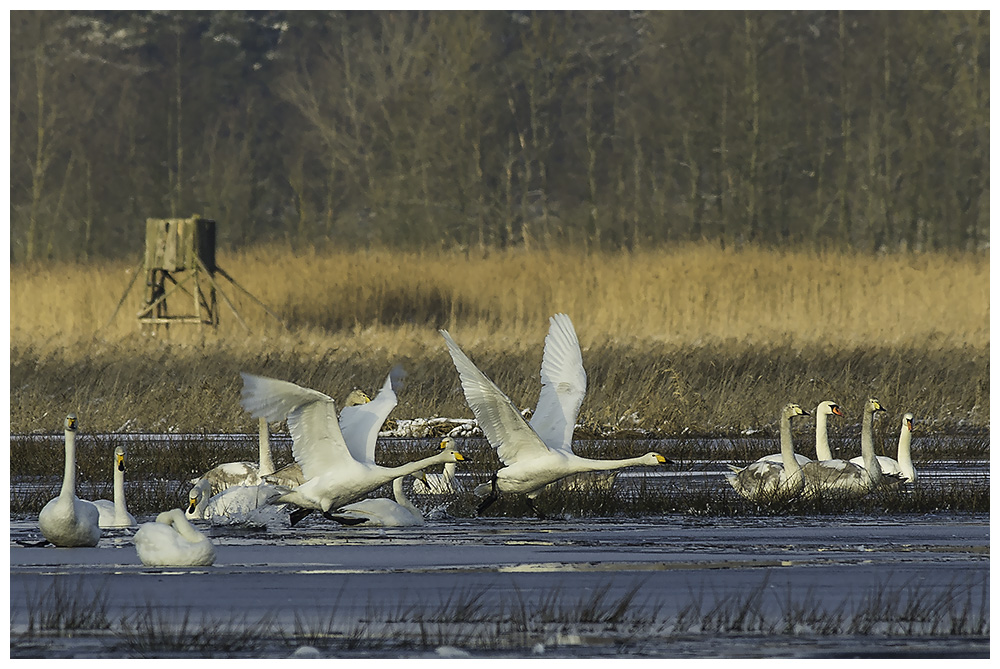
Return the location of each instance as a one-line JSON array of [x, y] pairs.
[[298, 514], [539, 514], [492, 497]]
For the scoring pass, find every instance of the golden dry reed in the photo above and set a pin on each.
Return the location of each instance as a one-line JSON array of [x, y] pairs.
[[680, 320]]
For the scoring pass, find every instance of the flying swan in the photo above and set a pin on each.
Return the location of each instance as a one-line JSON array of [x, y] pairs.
[[172, 541], [537, 454], [842, 478], [336, 471], [765, 481], [115, 514], [67, 520], [901, 468]]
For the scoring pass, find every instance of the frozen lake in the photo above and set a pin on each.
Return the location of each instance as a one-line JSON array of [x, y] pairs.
[[657, 587]]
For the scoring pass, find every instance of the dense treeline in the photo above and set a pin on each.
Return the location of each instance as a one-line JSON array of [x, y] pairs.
[[865, 130]]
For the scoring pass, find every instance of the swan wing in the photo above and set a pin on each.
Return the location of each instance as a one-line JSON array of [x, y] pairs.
[[317, 442], [564, 384], [360, 424], [501, 422]]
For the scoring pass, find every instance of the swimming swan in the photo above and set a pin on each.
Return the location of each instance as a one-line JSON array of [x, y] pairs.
[[764, 481], [381, 512], [438, 484], [336, 472], [901, 468], [173, 542], [115, 514], [240, 505], [823, 409], [843, 478], [531, 463], [230, 474], [67, 520]]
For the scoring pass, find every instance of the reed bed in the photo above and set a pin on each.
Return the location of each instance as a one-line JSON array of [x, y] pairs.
[[690, 340]]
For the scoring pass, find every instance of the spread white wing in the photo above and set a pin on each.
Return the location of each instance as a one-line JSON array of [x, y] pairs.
[[564, 384], [360, 424]]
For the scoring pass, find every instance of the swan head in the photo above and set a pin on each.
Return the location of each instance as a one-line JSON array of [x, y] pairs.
[[908, 422], [873, 405], [120, 458], [448, 442], [198, 493], [451, 455], [792, 409], [356, 397], [70, 424], [656, 459], [829, 408], [169, 517]]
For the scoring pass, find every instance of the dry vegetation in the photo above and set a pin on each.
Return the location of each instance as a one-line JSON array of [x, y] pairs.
[[691, 340]]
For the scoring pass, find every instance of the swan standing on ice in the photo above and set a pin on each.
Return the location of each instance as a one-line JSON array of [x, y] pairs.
[[67, 520], [173, 542], [765, 481], [337, 472], [439, 484], [902, 468], [535, 455], [115, 514], [823, 409], [380, 511], [846, 479]]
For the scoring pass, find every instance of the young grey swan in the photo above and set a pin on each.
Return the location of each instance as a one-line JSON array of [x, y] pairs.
[[532, 460], [842, 478], [765, 481], [902, 468], [67, 520]]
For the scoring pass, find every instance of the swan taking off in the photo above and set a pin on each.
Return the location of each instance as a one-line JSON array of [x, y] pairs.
[[336, 472], [842, 478], [532, 460], [438, 484], [67, 520], [381, 512], [902, 468], [173, 542], [115, 514], [823, 409], [765, 481]]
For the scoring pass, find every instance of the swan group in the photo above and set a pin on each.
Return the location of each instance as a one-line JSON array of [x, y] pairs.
[[537, 453]]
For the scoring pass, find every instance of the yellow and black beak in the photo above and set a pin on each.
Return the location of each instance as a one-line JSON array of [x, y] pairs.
[[121, 462], [192, 504], [459, 457]]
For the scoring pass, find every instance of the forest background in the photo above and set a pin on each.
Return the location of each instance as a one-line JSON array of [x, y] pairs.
[[737, 209]]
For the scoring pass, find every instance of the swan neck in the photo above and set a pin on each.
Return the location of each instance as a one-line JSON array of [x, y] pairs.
[[589, 465], [822, 440], [788, 460], [868, 447], [119, 497], [903, 450], [266, 464], [69, 472], [401, 498]]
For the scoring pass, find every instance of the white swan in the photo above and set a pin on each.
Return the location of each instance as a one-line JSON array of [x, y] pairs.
[[333, 471], [439, 484], [173, 542], [381, 512], [764, 481], [531, 463], [290, 475], [115, 514], [901, 468], [239, 505], [823, 409], [67, 520], [846, 479], [230, 474]]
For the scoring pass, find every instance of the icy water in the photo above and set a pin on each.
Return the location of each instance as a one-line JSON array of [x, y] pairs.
[[666, 586]]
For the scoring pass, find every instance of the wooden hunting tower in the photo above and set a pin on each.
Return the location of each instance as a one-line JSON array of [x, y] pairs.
[[180, 258], [179, 266]]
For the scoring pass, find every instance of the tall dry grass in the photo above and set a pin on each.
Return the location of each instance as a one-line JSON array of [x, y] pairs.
[[692, 338]]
